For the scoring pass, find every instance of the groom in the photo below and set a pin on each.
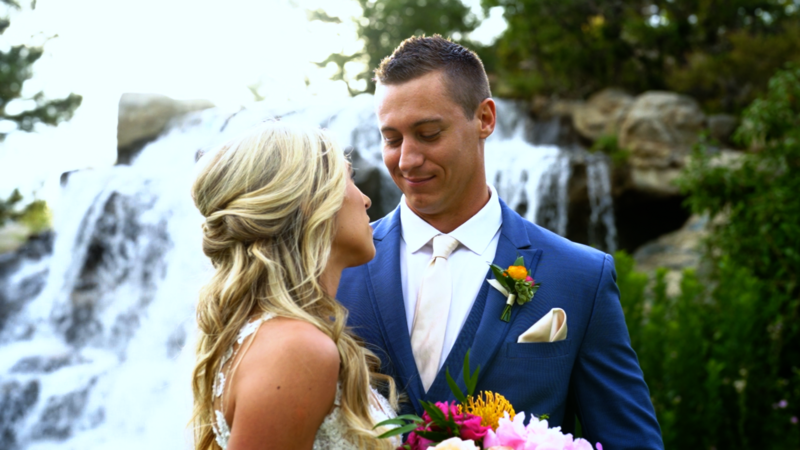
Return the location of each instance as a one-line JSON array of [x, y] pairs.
[[424, 300]]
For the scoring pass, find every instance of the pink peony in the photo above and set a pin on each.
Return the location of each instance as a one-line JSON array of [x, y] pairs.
[[456, 444], [535, 435], [470, 427]]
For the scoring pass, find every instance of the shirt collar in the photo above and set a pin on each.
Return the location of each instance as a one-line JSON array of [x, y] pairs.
[[475, 234]]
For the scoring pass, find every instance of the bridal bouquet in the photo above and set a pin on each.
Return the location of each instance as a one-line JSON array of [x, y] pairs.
[[486, 421]]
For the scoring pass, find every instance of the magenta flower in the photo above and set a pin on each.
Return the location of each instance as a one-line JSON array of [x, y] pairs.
[[469, 427]]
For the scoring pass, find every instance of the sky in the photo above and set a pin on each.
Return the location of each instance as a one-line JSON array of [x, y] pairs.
[[185, 49]]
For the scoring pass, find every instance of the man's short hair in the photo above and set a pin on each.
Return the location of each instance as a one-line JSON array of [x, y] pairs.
[[465, 78]]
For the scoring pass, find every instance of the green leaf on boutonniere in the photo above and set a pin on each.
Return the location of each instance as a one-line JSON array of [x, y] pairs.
[[502, 279], [520, 261]]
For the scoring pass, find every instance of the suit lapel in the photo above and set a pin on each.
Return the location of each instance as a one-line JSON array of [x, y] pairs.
[[483, 333], [384, 273]]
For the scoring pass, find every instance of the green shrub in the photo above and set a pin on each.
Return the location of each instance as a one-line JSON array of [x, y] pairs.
[[710, 357], [722, 358], [36, 216], [608, 144]]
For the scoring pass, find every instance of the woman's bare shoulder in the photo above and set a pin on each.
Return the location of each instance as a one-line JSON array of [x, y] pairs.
[[285, 384], [292, 346]]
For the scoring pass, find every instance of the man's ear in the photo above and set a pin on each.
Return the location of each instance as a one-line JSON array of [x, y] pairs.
[[487, 117]]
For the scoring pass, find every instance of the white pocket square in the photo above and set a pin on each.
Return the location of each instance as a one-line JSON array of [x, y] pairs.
[[552, 327]]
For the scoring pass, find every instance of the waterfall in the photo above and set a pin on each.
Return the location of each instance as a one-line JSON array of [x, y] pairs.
[[602, 229], [97, 324]]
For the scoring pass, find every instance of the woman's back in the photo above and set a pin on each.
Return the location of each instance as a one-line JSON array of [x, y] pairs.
[[283, 376]]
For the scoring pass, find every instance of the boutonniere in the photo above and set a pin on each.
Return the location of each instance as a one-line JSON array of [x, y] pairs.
[[515, 283]]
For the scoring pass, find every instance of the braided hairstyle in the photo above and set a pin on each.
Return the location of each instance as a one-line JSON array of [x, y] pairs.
[[270, 200]]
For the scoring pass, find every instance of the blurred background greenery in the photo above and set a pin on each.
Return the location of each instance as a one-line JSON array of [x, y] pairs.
[[721, 353]]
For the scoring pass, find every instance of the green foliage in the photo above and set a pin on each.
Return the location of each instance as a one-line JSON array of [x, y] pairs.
[[15, 68], [8, 206], [385, 24], [756, 196], [35, 216], [609, 145], [710, 356], [703, 48], [721, 356]]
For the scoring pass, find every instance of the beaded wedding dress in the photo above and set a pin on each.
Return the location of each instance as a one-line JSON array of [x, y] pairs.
[[331, 434]]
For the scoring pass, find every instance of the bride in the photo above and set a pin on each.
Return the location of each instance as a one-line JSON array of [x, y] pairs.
[[276, 367]]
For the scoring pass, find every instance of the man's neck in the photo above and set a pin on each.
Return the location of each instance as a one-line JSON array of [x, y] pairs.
[[449, 221]]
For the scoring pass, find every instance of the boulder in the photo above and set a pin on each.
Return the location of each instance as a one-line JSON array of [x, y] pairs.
[[13, 236], [142, 117], [602, 114], [721, 127], [676, 251], [660, 182], [660, 129]]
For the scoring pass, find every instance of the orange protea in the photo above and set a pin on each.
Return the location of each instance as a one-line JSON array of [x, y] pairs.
[[517, 272], [489, 406]]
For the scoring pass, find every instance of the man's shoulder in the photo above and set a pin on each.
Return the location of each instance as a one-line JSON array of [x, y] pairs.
[[572, 257]]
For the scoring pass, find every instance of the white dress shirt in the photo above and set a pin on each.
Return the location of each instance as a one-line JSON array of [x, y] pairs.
[[469, 262]]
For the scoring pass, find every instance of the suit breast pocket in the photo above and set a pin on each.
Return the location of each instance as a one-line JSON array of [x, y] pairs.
[[539, 350]]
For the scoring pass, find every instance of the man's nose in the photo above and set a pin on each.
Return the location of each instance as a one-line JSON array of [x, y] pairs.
[[410, 156]]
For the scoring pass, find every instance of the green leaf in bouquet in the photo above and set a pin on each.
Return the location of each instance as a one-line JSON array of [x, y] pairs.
[[437, 416], [454, 387], [520, 261], [399, 420], [435, 436], [399, 430], [470, 380]]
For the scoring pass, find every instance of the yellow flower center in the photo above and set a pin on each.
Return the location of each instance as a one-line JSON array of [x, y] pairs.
[[489, 406], [517, 272]]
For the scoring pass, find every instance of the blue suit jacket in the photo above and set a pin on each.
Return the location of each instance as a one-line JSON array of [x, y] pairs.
[[593, 374]]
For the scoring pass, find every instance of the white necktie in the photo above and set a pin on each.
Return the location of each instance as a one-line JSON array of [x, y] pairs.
[[433, 307]]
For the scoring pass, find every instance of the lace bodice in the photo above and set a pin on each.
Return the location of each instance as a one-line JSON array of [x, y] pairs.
[[331, 434]]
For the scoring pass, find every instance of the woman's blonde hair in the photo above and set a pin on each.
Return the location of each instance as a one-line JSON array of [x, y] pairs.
[[270, 200]]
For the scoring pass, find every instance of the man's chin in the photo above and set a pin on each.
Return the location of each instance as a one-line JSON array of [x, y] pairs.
[[428, 205]]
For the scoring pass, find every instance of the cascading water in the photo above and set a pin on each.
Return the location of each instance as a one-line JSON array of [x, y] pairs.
[[602, 229], [96, 335]]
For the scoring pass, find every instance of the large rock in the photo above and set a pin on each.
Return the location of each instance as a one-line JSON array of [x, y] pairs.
[[13, 236], [142, 117], [602, 114], [676, 251], [660, 129]]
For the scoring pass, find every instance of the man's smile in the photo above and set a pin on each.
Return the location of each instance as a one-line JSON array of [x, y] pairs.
[[418, 181]]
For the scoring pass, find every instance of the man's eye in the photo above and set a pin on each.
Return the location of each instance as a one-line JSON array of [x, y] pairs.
[[391, 141], [430, 136]]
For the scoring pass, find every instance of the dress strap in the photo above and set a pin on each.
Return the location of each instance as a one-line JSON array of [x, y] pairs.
[[247, 330]]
